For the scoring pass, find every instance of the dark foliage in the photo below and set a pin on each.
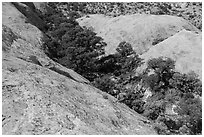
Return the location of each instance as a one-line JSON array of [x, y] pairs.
[[81, 50], [162, 72], [187, 83], [118, 70], [191, 107], [170, 87], [71, 45]]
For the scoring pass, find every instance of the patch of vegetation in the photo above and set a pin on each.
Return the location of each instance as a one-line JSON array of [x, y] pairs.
[[71, 45], [81, 50], [191, 11], [170, 87]]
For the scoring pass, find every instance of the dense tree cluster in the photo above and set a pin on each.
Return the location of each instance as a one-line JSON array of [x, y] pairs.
[[80, 49], [170, 87], [71, 45]]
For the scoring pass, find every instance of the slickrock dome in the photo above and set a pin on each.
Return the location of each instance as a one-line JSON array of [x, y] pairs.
[[39, 96]]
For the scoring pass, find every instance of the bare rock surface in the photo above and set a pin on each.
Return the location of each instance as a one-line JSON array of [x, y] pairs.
[[142, 31], [37, 100], [39, 96], [184, 47], [152, 36]]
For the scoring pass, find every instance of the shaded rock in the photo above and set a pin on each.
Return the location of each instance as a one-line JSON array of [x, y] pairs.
[[28, 9], [30, 5]]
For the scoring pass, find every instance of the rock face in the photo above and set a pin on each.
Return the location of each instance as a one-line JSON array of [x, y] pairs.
[[140, 30], [184, 47], [28, 9], [39, 96], [152, 36]]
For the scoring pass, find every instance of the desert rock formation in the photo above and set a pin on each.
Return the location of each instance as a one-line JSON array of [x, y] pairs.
[[140, 30], [184, 47], [39, 96], [152, 36]]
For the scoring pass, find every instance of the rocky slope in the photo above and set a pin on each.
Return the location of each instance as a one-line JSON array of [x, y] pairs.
[[185, 47], [141, 31], [153, 36], [39, 96]]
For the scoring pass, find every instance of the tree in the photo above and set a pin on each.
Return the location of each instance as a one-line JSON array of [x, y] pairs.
[[124, 49], [191, 107], [121, 65], [162, 72], [173, 87], [71, 45], [187, 83]]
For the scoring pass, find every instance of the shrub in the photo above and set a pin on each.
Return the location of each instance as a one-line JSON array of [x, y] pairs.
[[138, 106], [163, 71], [192, 107], [187, 83], [154, 108], [105, 84]]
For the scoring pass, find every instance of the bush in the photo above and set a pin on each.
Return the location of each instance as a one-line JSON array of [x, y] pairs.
[[154, 107], [187, 83], [163, 71], [172, 87], [105, 84], [192, 107], [138, 106]]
